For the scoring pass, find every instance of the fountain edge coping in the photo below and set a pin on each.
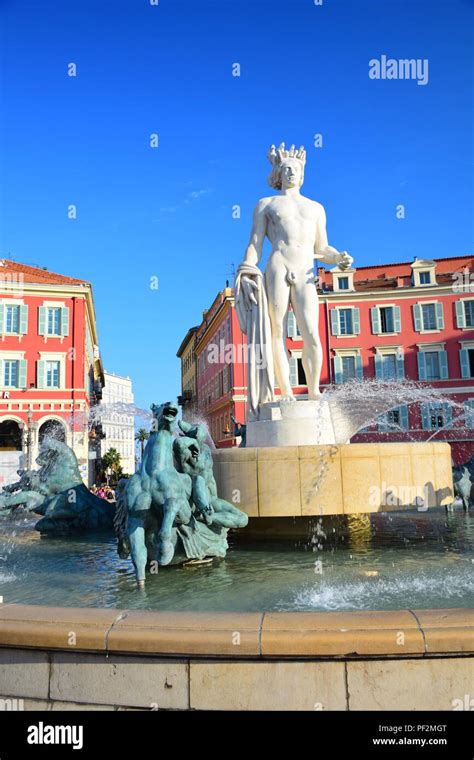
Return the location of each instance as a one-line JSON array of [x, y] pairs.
[[390, 633]]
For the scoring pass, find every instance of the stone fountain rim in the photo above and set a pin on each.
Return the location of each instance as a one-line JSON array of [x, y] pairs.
[[318, 635]]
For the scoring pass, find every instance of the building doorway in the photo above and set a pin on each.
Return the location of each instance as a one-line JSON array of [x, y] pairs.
[[52, 429]]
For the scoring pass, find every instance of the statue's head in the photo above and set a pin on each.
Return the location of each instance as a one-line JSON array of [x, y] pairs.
[[164, 415], [288, 167]]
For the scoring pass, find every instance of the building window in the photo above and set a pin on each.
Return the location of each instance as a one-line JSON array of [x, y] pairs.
[[343, 283], [385, 319], [467, 362], [54, 321], [425, 278], [469, 313], [433, 371], [428, 316], [52, 374], [345, 321], [389, 367], [292, 329], [348, 366], [428, 312], [433, 365], [394, 420], [436, 416], [12, 319], [10, 373], [301, 373], [469, 413], [346, 326]]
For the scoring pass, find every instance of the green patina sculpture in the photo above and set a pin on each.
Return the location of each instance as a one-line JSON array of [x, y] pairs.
[[57, 492], [166, 511]]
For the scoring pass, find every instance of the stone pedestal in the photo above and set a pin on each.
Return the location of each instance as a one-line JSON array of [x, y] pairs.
[[292, 423]]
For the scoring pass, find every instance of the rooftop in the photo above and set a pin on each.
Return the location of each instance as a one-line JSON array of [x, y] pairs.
[[36, 274]]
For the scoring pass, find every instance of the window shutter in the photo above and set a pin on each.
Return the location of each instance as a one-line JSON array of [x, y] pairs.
[[382, 424], [291, 325], [464, 359], [356, 321], [375, 317], [443, 365], [439, 316], [40, 380], [447, 414], [417, 317], [23, 319], [2, 373], [378, 361], [2, 312], [64, 321], [293, 372], [42, 320], [359, 368], [425, 416], [397, 320], [460, 314], [400, 366], [404, 417], [22, 373], [337, 370], [469, 413], [421, 365], [335, 329]]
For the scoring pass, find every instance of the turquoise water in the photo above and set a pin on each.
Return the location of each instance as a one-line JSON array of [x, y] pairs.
[[387, 561]]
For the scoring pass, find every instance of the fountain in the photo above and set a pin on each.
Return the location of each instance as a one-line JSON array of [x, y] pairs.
[[358, 597]]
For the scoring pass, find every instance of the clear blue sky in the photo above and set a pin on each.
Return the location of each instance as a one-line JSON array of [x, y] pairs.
[[166, 212]]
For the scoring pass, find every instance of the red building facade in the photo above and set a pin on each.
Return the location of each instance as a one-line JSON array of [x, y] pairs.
[[50, 367], [411, 320]]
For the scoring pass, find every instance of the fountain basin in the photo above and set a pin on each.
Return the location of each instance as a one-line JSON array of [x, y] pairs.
[[122, 659], [302, 481]]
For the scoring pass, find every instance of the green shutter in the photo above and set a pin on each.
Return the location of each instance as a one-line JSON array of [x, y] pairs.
[[356, 320], [64, 321], [291, 331], [397, 320], [439, 316], [400, 366], [469, 413], [460, 314], [404, 417], [464, 359], [42, 320], [443, 365], [335, 322], [359, 367], [417, 317], [2, 312], [2, 374], [426, 416], [378, 361], [293, 371], [23, 319], [447, 414], [382, 424], [375, 317], [421, 365], [337, 370], [22, 373], [40, 379]]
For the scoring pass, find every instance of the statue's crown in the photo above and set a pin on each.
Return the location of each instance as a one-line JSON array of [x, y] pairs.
[[277, 155]]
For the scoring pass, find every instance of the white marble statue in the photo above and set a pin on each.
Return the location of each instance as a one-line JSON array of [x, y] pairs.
[[296, 228]]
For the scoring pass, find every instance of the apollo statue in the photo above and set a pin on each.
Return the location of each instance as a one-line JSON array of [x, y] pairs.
[[296, 228]]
